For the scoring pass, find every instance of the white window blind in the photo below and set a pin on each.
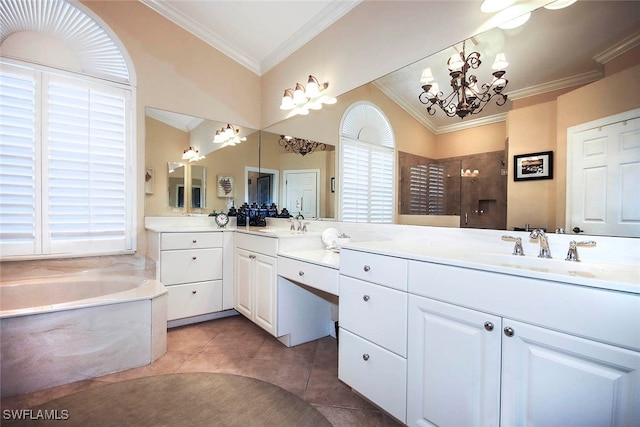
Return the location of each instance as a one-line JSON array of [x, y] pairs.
[[436, 189], [18, 173], [79, 189], [418, 189], [367, 182]]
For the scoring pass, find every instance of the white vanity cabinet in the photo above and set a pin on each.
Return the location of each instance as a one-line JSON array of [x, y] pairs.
[[373, 328], [255, 279], [493, 349], [190, 265]]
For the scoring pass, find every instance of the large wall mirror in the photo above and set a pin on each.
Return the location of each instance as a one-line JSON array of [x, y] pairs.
[[547, 89], [213, 183]]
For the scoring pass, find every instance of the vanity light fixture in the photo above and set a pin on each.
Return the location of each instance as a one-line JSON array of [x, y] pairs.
[[228, 136], [299, 145], [192, 155], [467, 97], [302, 99], [469, 174]]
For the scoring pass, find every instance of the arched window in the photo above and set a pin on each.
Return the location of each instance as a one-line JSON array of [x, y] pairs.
[[367, 163], [67, 181]]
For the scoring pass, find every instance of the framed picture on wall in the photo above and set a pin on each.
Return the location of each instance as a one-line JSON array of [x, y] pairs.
[[148, 181], [225, 186], [533, 166]]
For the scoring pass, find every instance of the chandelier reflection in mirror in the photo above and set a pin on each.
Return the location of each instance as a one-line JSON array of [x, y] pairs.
[[302, 99], [467, 97], [228, 136], [300, 146]]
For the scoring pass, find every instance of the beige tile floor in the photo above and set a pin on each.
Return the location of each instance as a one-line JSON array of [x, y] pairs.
[[235, 345]]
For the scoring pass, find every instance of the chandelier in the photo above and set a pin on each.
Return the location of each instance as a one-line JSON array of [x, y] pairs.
[[300, 146], [467, 97], [192, 155], [302, 99], [228, 136]]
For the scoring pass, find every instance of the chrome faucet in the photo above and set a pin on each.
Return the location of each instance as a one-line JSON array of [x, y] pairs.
[[517, 248], [540, 235], [572, 255]]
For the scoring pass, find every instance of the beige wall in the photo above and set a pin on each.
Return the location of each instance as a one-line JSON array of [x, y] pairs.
[[481, 139]]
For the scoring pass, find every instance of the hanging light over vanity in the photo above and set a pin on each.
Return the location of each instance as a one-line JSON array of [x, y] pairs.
[[302, 99], [299, 145], [228, 136]]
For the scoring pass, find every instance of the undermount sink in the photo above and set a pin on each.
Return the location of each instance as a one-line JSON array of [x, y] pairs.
[[591, 270]]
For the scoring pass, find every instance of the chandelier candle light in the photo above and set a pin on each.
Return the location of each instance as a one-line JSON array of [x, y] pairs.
[[466, 98], [302, 99], [228, 136], [300, 146]]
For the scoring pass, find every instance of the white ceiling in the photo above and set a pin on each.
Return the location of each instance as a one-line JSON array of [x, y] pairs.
[[256, 33], [555, 49]]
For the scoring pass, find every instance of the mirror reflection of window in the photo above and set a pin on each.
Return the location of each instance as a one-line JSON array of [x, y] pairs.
[[176, 184]]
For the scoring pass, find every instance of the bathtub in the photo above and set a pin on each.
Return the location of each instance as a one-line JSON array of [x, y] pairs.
[[63, 329]]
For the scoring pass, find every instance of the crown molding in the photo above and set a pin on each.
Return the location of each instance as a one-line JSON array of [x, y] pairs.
[[327, 16], [618, 49], [203, 33], [178, 121], [577, 80], [468, 124], [409, 108]]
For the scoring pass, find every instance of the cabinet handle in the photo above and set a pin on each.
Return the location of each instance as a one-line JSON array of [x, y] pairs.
[[367, 268], [488, 326], [194, 258], [508, 331], [300, 273], [366, 297], [252, 257], [195, 241], [365, 357], [194, 292]]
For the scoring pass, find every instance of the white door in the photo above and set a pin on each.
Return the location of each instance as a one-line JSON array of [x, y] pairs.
[[555, 379], [302, 192], [453, 362], [243, 283], [603, 190], [265, 297]]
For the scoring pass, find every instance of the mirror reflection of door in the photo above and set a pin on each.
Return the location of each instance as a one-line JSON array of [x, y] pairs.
[[301, 192], [180, 198], [176, 171], [603, 192], [198, 186]]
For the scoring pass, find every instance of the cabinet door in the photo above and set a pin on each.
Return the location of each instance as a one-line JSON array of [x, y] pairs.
[[264, 292], [243, 287], [555, 379], [454, 365]]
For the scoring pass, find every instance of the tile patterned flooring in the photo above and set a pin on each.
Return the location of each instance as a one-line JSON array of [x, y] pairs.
[[234, 345]]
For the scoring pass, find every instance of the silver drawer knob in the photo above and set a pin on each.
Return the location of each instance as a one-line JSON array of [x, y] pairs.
[[366, 297], [508, 331], [300, 273], [194, 292], [488, 326], [367, 268], [365, 357], [195, 241], [194, 258]]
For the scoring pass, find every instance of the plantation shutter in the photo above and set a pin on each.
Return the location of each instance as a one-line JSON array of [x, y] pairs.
[[18, 162], [367, 182], [85, 175], [436, 189], [418, 189]]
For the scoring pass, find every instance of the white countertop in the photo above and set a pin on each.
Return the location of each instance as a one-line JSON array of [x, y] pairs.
[[322, 257], [619, 277]]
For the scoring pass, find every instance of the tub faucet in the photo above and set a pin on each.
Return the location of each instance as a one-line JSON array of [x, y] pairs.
[[540, 235]]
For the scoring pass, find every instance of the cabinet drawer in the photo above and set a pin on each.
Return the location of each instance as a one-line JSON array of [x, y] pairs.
[[188, 266], [313, 275], [374, 372], [260, 244], [194, 299], [374, 312], [381, 269], [191, 240]]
